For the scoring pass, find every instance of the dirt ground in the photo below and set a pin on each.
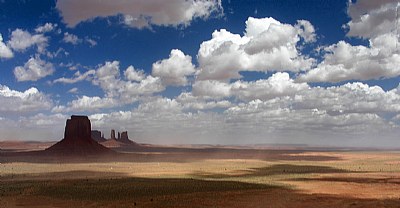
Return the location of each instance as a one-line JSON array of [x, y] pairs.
[[203, 177]]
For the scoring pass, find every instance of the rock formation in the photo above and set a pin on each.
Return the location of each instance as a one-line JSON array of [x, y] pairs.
[[124, 138], [96, 135], [121, 142], [124, 135], [77, 139], [113, 134]]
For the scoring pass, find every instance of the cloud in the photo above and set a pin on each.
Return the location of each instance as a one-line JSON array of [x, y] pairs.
[[353, 111], [33, 70], [48, 27], [44, 121], [77, 77], [71, 66], [279, 107], [347, 114], [158, 120], [41, 127], [28, 101], [361, 7], [343, 61], [147, 86], [274, 119], [22, 40], [174, 70], [211, 89], [279, 84], [219, 107], [160, 106], [91, 42], [71, 38], [60, 51], [349, 98], [306, 31], [108, 78], [132, 74], [372, 18], [88, 104], [137, 13], [191, 102], [5, 52], [267, 45], [117, 91], [73, 90]]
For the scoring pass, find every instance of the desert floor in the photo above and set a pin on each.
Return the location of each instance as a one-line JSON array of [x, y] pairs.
[[203, 177]]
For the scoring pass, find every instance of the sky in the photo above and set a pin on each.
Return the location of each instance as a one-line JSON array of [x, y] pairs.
[[316, 72]]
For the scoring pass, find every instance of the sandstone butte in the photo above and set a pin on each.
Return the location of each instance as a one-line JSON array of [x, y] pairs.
[[77, 139]]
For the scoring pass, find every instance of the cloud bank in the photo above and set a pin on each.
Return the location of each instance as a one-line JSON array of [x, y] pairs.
[[139, 13]]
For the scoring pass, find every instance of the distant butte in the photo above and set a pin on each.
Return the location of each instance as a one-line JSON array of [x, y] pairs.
[[78, 139], [121, 141], [96, 135], [124, 138], [113, 134]]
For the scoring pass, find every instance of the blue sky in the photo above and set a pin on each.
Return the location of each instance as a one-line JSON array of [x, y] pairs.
[[206, 71]]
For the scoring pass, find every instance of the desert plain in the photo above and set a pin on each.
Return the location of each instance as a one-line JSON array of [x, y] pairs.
[[200, 176]]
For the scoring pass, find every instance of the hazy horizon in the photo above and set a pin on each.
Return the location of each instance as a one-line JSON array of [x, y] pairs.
[[203, 72]]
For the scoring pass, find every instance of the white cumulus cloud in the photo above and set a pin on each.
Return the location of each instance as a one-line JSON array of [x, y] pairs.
[[211, 89], [343, 61], [174, 70], [28, 101], [279, 84], [349, 113], [376, 21], [108, 78], [5, 52], [191, 102], [134, 75], [71, 38], [117, 91], [22, 40], [33, 70], [268, 45], [86, 103], [48, 27]]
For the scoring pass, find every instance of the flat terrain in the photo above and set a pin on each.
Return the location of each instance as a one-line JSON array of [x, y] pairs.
[[203, 177]]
